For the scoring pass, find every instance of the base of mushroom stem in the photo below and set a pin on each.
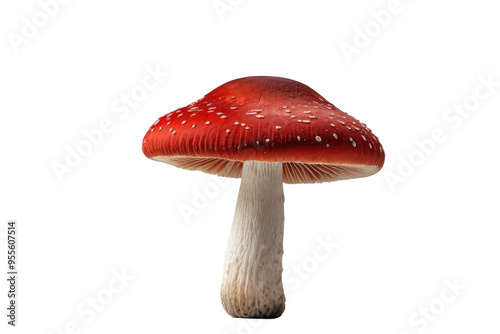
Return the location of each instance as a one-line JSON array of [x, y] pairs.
[[252, 284], [277, 311]]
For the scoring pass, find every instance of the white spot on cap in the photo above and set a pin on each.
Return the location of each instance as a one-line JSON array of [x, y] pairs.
[[298, 138], [179, 115], [219, 113], [318, 139], [327, 145], [156, 121], [306, 112], [152, 129], [228, 131], [160, 128], [174, 132], [207, 122], [332, 124], [233, 107], [247, 128], [243, 124], [171, 129], [257, 142], [260, 116], [306, 121], [168, 123], [278, 127], [223, 116], [335, 136], [268, 140], [370, 145], [236, 123], [193, 125], [183, 122], [287, 110]]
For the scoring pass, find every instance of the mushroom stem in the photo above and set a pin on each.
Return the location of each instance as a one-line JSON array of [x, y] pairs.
[[251, 284]]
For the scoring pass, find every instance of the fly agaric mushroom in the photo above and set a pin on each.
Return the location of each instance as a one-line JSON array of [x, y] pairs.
[[266, 130]]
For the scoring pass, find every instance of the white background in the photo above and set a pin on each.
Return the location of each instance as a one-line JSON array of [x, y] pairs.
[[400, 241]]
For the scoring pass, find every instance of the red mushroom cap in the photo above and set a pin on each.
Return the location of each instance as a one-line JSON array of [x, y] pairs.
[[266, 119]]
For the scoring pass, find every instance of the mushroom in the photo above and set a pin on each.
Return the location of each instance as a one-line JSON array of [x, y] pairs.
[[266, 131]]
